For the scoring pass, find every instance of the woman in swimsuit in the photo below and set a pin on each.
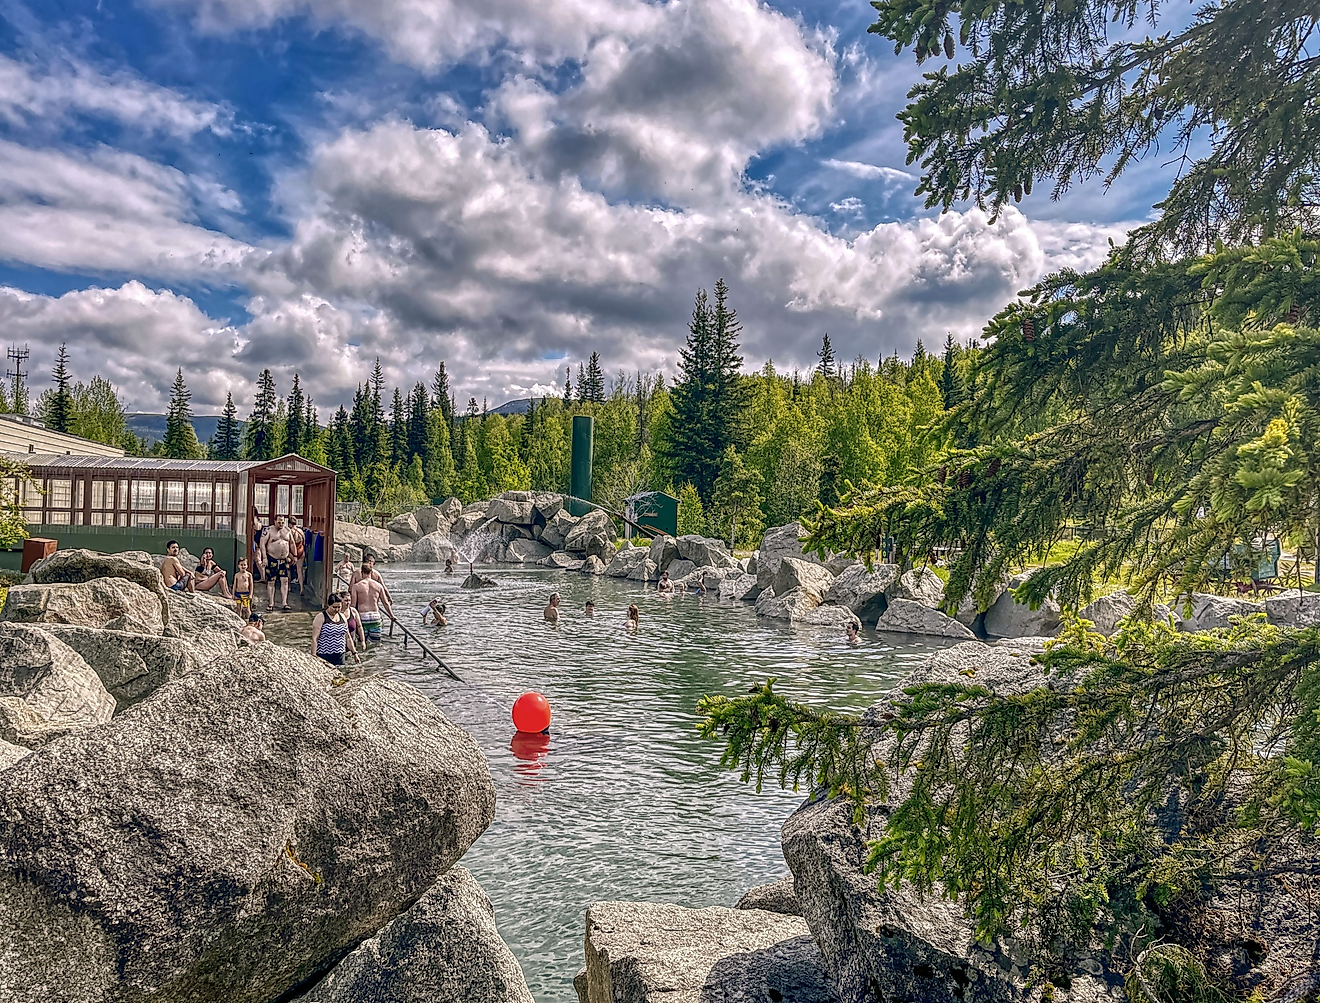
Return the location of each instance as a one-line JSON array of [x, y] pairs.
[[331, 639]]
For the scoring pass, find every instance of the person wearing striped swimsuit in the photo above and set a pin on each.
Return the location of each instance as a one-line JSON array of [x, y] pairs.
[[331, 639]]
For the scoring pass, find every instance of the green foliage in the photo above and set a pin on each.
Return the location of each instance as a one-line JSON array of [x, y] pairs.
[[691, 516], [13, 527], [180, 440], [228, 442], [735, 511], [55, 408], [1168, 973], [261, 433], [1066, 92]]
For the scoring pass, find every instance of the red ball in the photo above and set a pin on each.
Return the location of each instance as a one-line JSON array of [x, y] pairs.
[[531, 713]]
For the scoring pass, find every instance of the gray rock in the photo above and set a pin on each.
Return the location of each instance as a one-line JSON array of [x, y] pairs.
[[680, 568], [230, 836], [466, 522], [72, 567], [794, 574], [592, 565], [863, 591], [593, 535], [704, 552], [547, 505], [747, 565], [664, 551], [451, 508], [430, 520], [559, 559], [648, 953], [905, 616], [712, 576], [827, 616], [112, 603], [777, 896], [354, 554], [209, 626], [778, 543], [1022, 645], [1292, 609], [11, 754], [476, 581], [626, 560], [555, 532], [434, 548], [792, 605], [526, 551], [920, 585], [839, 563], [476, 506], [46, 687], [515, 512], [395, 553], [358, 535], [445, 949], [1210, 611], [738, 587], [644, 572], [514, 496], [1010, 618], [406, 527], [130, 666]]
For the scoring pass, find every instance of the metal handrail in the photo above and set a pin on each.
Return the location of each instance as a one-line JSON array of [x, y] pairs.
[[409, 634]]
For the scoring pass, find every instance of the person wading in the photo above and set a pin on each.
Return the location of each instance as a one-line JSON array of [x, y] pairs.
[[331, 639], [368, 597]]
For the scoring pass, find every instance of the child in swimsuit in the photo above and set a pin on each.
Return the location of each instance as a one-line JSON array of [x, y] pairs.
[[243, 588]]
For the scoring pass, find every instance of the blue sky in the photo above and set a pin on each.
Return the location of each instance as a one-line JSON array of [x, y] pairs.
[[506, 185]]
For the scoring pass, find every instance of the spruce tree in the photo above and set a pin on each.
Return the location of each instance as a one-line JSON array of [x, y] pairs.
[[58, 415], [419, 424], [693, 446], [227, 442], [826, 366], [180, 442], [594, 390], [295, 430], [259, 437], [441, 395], [398, 429], [952, 386], [568, 384]]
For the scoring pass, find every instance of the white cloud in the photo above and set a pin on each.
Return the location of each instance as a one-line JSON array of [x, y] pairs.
[[37, 94], [871, 171], [104, 210]]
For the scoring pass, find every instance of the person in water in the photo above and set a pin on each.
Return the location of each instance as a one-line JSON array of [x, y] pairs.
[[331, 639], [701, 584], [634, 617], [850, 632], [551, 612], [369, 597], [243, 588], [252, 631], [449, 565], [434, 615], [664, 585], [590, 608]]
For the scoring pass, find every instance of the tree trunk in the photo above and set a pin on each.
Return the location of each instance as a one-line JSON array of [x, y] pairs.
[[733, 529]]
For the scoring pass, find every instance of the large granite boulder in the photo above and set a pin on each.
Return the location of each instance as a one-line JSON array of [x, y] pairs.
[[907, 617], [739, 586], [366, 537], [560, 560], [626, 560], [556, 529], [593, 536], [920, 585], [404, 528], [516, 512], [704, 552], [430, 519], [592, 565], [794, 573], [111, 603], [526, 551], [231, 836], [11, 754], [898, 944], [1207, 612], [664, 551], [395, 553], [680, 568], [72, 567], [711, 576], [445, 949], [777, 896], [546, 505], [130, 666], [451, 508], [1294, 609], [646, 571], [209, 626], [802, 606], [778, 543], [46, 689], [654, 953], [466, 522], [434, 548], [1010, 618], [863, 591]]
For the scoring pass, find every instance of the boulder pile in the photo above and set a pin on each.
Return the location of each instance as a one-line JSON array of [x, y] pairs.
[[190, 817]]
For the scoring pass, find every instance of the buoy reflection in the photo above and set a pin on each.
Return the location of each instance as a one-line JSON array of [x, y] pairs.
[[530, 749]]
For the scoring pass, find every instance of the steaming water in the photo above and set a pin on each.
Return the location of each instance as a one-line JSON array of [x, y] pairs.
[[624, 800]]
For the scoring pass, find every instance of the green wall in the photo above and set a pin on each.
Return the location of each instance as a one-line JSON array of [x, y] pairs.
[[114, 539]]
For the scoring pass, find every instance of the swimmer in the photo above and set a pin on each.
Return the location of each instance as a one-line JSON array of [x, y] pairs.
[[435, 614], [590, 608], [449, 565], [664, 585], [634, 617], [701, 584], [253, 631], [551, 612], [850, 632]]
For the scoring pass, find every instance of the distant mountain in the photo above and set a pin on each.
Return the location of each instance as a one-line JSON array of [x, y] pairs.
[[151, 427], [520, 406]]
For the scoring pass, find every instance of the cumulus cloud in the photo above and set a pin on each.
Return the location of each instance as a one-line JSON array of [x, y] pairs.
[[871, 171], [33, 93], [103, 210]]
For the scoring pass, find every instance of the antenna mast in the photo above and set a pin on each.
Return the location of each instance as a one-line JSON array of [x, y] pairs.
[[18, 356]]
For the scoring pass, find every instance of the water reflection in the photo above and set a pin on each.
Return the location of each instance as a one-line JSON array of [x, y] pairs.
[[636, 806]]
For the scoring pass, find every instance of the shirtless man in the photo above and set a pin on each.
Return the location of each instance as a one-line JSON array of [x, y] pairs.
[[210, 574], [253, 631], [176, 576], [369, 571], [551, 612], [664, 585], [277, 546], [368, 598]]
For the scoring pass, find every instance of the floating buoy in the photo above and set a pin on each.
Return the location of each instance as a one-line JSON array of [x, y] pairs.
[[531, 713]]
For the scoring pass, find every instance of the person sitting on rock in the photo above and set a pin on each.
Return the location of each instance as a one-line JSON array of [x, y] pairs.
[[252, 630], [435, 614], [177, 577], [664, 585], [551, 612], [210, 574]]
